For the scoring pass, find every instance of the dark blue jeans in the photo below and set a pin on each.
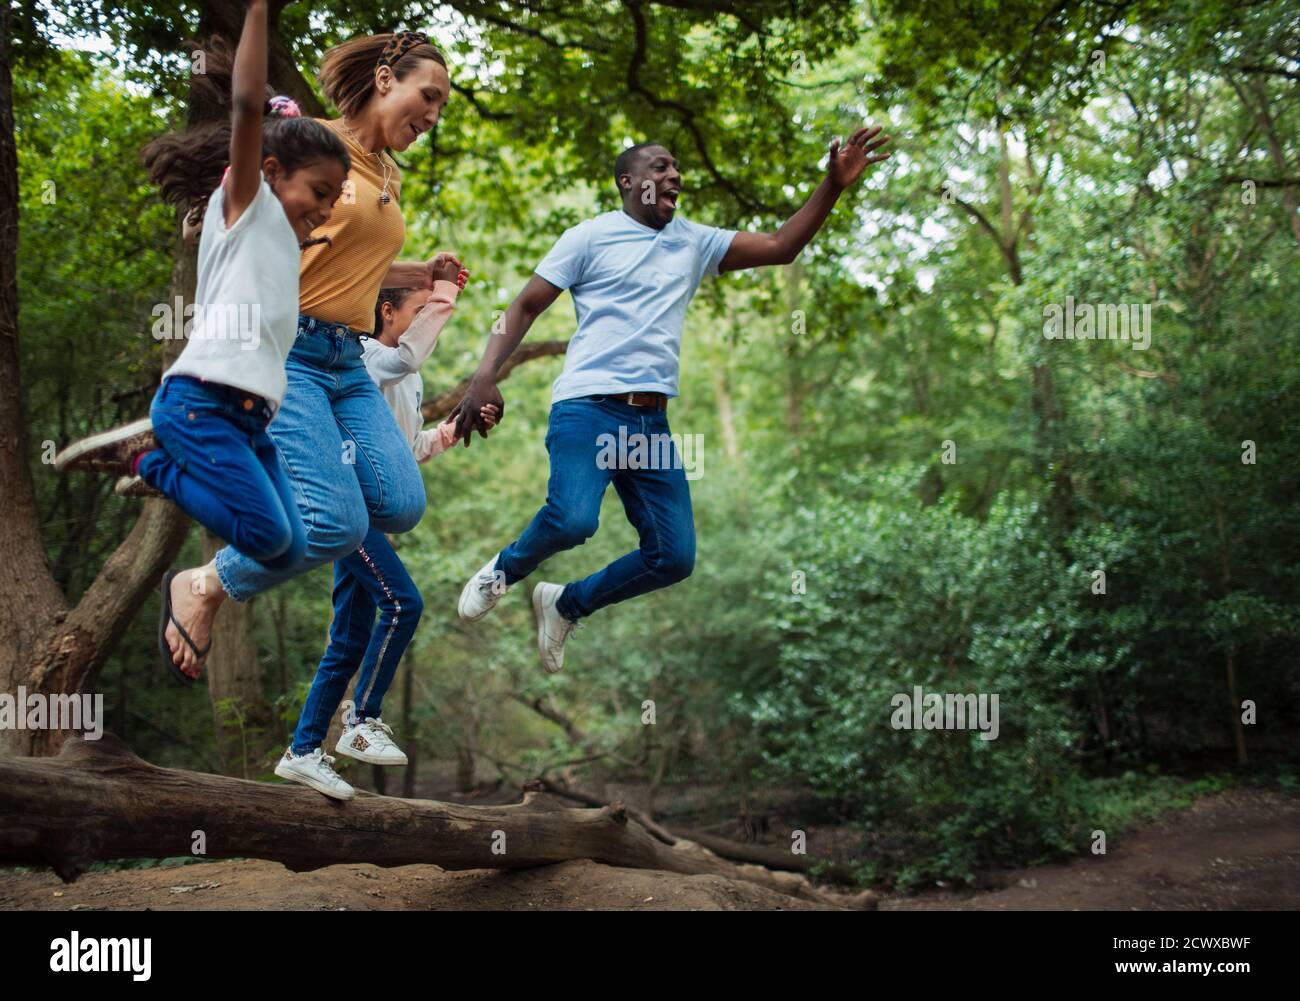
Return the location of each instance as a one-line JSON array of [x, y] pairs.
[[217, 464], [657, 502], [371, 578]]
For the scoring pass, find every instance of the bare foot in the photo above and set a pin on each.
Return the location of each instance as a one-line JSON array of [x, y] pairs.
[[196, 595]]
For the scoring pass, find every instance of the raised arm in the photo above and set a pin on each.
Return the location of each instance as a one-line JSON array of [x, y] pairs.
[[845, 166], [248, 97], [413, 274], [528, 305]]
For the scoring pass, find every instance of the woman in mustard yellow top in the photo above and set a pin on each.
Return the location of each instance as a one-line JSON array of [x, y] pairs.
[[350, 465]]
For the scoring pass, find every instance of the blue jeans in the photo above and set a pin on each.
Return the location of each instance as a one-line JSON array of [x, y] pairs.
[[348, 462], [657, 503], [371, 578], [217, 464]]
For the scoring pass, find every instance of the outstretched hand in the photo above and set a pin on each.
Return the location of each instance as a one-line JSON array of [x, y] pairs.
[[848, 162]]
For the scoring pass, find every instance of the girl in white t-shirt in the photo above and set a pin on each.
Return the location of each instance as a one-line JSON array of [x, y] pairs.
[[204, 444]]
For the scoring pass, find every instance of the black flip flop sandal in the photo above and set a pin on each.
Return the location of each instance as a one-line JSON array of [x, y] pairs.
[[165, 616]]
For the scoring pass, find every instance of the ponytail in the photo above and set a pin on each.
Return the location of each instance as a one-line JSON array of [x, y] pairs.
[[188, 165]]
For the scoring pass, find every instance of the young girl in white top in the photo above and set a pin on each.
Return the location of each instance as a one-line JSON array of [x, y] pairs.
[[204, 444], [374, 579], [407, 325]]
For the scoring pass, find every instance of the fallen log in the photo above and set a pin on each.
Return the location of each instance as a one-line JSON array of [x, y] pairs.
[[763, 855], [771, 858], [97, 800]]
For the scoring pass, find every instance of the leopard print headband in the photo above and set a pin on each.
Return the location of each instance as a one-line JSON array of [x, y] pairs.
[[399, 45]]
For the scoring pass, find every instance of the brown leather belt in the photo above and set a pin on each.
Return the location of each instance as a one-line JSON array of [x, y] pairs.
[[659, 401]]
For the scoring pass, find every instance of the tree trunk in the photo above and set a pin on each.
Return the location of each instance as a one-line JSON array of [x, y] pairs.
[[726, 418], [1230, 661], [768, 856], [464, 769], [46, 646], [226, 18], [248, 733], [281, 619], [1234, 707], [30, 601], [97, 800]]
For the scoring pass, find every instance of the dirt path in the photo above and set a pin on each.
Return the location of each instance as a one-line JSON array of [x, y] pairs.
[[256, 885], [1235, 850]]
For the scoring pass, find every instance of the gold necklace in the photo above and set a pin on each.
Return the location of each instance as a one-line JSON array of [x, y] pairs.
[[384, 198]]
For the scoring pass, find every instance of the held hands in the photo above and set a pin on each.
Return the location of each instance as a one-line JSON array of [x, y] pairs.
[[848, 162], [480, 408], [447, 429], [446, 267]]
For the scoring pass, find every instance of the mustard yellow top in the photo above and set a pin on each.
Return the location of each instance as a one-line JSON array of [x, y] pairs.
[[339, 282]]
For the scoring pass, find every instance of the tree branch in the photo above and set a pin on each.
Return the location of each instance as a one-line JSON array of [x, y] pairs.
[[439, 406]]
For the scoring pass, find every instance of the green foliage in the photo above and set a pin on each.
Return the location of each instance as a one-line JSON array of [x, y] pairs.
[[898, 598]]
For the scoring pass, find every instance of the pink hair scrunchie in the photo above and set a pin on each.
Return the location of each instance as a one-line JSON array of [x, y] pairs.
[[284, 106]]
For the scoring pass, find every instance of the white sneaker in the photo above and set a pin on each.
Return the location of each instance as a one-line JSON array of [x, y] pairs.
[[314, 770], [371, 741], [553, 629], [109, 451], [482, 592]]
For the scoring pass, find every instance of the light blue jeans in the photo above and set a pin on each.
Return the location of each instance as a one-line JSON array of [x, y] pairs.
[[350, 466]]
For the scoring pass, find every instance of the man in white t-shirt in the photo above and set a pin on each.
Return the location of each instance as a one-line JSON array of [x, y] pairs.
[[631, 274]]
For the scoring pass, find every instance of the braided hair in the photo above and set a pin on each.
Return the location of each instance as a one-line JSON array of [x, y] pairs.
[[347, 73]]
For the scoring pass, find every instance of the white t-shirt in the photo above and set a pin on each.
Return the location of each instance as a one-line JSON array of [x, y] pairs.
[[630, 285], [245, 314]]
